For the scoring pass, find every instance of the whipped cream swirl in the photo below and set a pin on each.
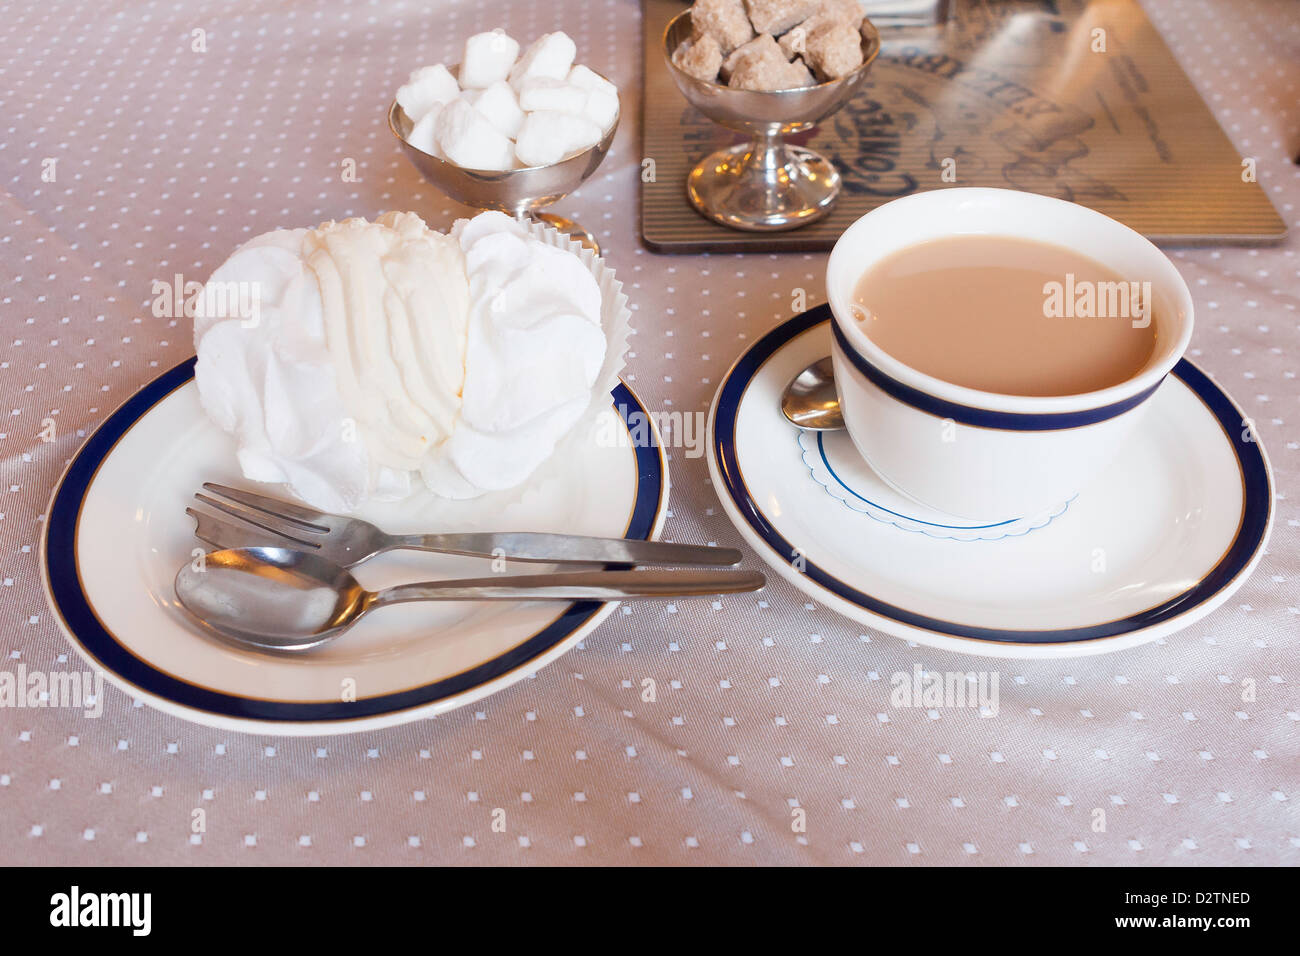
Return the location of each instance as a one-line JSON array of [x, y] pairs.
[[386, 350]]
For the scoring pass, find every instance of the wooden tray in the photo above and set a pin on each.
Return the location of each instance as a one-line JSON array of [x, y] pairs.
[[1015, 96]]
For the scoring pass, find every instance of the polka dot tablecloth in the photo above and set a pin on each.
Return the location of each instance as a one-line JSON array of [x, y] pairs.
[[143, 138]]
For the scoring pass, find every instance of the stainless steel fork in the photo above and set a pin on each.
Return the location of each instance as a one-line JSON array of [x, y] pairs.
[[260, 520]]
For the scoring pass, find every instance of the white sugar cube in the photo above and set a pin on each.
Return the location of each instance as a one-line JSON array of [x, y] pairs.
[[601, 107], [502, 110], [545, 93], [548, 136], [424, 133], [602, 95], [488, 59], [426, 88], [550, 55], [590, 80], [469, 140]]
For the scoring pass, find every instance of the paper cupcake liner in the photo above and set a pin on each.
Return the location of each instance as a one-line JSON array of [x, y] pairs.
[[615, 320]]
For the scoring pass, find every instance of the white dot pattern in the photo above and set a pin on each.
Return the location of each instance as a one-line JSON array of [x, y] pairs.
[[770, 737]]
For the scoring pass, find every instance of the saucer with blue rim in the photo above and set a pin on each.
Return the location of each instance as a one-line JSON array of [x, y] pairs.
[[1160, 538], [116, 532]]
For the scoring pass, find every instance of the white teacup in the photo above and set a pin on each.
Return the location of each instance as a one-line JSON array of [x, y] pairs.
[[976, 454]]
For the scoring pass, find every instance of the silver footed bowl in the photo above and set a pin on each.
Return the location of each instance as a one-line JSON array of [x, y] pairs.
[[765, 184], [519, 192]]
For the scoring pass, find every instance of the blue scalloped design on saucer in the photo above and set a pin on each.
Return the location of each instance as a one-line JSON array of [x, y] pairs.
[[867, 501]]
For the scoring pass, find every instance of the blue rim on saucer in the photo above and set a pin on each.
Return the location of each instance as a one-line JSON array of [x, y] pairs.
[[1251, 534], [72, 605]]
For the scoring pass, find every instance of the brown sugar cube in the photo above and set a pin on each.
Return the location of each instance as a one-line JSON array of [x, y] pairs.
[[701, 57], [797, 75], [724, 20], [834, 50], [767, 72], [845, 11], [761, 46], [795, 40], [777, 16], [757, 73]]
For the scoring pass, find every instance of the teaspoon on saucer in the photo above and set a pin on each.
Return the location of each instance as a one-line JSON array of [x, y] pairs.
[[286, 600], [810, 400]]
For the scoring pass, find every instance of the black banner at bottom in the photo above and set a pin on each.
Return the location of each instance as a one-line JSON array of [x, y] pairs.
[[333, 906]]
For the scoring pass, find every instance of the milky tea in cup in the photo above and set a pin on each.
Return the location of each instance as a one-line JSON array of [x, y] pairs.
[[1007, 315], [994, 349]]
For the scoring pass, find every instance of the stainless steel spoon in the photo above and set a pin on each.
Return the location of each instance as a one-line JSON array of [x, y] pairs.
[[810, 400], [286, 600]]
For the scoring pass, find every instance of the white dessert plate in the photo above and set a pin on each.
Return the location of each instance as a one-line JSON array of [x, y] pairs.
[[117, 533], [1159, 539]]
